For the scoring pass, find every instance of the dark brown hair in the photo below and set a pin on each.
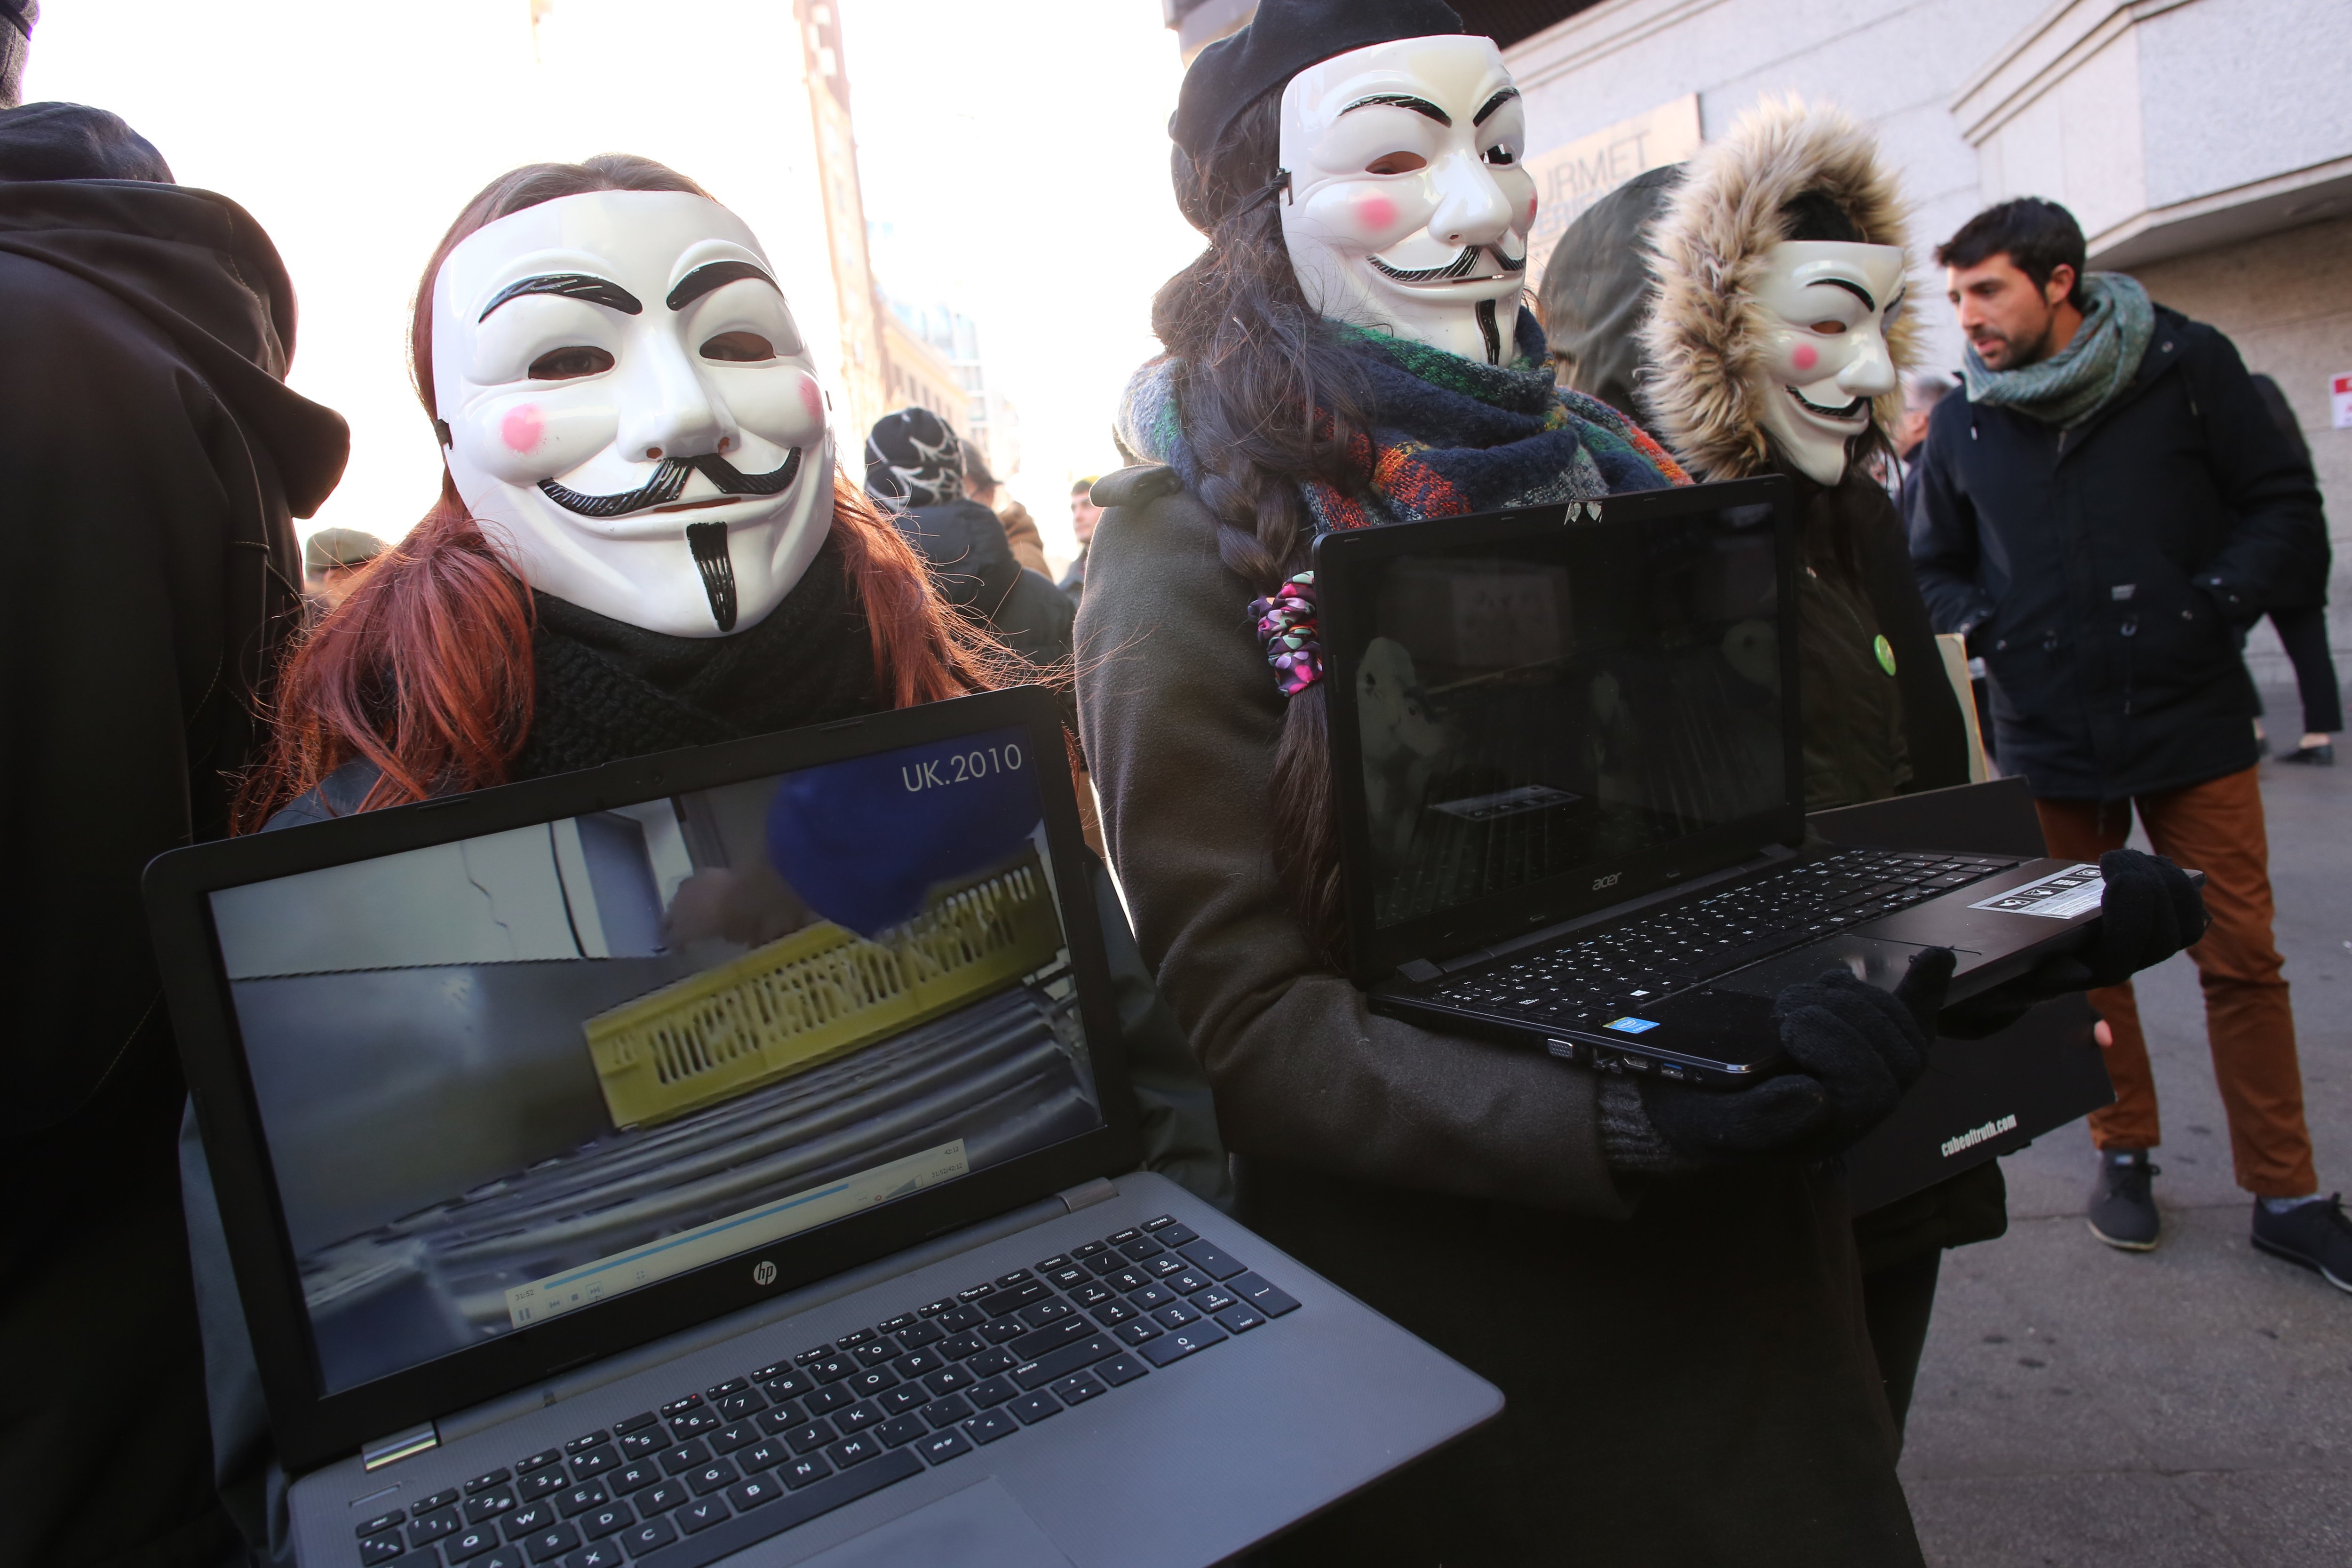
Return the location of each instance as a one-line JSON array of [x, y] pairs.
[[1267, 397], [425, 668], [2037, 237]]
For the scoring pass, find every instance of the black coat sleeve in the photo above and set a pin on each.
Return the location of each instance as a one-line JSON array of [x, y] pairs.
[[2276, 546], [1946, 555]]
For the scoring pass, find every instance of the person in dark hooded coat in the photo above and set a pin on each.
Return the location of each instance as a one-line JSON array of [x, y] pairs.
[[152, 457]]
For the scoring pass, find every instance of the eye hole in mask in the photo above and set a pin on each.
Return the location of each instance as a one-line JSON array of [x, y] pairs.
[[739, 348], [1396, 163], [571, 365], [1501, 157]]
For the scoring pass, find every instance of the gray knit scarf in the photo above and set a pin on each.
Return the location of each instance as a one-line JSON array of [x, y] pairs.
[[2084, 376]]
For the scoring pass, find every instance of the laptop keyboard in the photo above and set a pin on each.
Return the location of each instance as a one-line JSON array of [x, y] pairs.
[[1593, 979], [710, 1473]]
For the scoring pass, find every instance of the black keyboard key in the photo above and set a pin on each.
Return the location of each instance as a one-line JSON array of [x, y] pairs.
[[1160, 1221], [634, 1477], [1076, 1388], [1029, 1347], [431, 1527], [993, 1392], [909, 1395], [939, 1448], [484, 1483], [375, 1549], [1175, 1315], [650, 1536], [1161, 1266], [1174, 1235], [901, 1430], [726, 1439], [826, 1401], [596, 1554], [1151, 1296], [701, 1515], [1091, 1249], [878, 1354], [947, 1380], [527, 1519], [1121, 1238], [741, 1405], [1069, 1276], [1093, 1293], [990, 1424], [947, 1412], [580, 1500], [976, 1292], [1062, 1362], [509, 1556], [1105, 1263], [915, 1364], [681, 1406], [469, 1544], [637, 1445], [1038, 1314], [548, 1544], [711, 1477], [808, 1438], [384, 1521], [787, 1384], [715, 1544], [1213, 1299], [490, 1505], [782, 1417], [582, 1444], [1018, 1297], [1130, 1278], [852, 1340], [754, 1491], [610, 1519], [1190, 1281], [1240, 1320], [894, 1325], [684, 1458], [662, 1499], [1031, 1408], [959, 1319], [1140, 1248], [1121, 1368], [832, 1368], [630, 1424], [765, 1455], [692, 1424], [989, 1363], [811, 1357], [858, 1417], [1177, 1343], [808, 1468], [1047, 1264], [1136, 1332], [962, 1345], [920, 1334], [855, 1449], [1002, 1329], [1259, 1293], [1018, 1277]]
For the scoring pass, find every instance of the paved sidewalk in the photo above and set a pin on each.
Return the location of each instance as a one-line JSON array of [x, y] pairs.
[[2192, 1406]]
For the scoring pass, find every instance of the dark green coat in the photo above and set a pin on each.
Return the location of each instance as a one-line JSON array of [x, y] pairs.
[[1688, 1376]]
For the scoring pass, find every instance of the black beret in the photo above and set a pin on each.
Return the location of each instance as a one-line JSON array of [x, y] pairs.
[[1283, 39], [912, 459]]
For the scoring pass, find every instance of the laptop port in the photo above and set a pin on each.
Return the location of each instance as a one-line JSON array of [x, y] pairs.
[[1668, 1069], [1637, 1064], [1566, 1051]]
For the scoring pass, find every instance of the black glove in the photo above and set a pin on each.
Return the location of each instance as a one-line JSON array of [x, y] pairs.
[[1856, 1049], [2148, 911]]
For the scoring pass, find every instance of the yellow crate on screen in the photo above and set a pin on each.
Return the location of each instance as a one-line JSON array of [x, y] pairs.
[[817, 994]]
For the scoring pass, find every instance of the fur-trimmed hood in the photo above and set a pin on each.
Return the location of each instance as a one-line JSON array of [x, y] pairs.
[[1703, 338]]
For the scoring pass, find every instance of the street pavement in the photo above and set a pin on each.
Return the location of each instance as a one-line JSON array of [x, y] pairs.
[[2079, 1405]]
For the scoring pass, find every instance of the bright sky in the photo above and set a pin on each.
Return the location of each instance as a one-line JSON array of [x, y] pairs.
[[1018, 154]]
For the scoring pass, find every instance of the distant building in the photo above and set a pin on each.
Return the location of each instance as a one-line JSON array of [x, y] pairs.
[[935, 361], [864, 365]]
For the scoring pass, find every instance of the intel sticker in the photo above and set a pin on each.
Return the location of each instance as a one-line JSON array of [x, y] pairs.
[[1630, 1025]]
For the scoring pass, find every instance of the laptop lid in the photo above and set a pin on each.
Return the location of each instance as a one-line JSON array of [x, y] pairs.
[[1538, 713], [500, 1084]]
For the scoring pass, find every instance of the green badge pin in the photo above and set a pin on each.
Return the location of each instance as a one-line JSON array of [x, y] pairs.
[[1886, 651]]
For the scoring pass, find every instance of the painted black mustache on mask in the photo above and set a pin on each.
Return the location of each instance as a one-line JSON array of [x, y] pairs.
[[1461, 266], [669, 481]]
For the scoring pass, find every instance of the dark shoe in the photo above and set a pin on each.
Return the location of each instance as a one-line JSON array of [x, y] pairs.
[[2315, 1234], [2123, 1209], [2323, 754]]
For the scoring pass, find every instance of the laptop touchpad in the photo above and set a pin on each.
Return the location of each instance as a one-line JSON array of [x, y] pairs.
[[1879, 961], [983, 1526]]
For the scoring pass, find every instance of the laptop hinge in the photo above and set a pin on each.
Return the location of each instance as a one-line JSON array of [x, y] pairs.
[[399, 1446], [1420, 970], [1087, 1194]]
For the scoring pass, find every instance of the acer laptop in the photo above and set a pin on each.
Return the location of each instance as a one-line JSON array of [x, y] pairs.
[[1567, 762], [728, 1156]]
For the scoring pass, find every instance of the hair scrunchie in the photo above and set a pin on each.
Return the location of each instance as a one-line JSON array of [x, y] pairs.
[[1286, 629]]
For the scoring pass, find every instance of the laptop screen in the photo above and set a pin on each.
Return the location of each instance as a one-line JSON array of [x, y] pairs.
[[506, 1077], [1530, 707]]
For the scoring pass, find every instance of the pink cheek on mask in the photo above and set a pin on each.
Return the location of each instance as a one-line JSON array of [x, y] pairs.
[[811, 400], [1805, 356], [1531, 209], [1374, 213], [522, 428]]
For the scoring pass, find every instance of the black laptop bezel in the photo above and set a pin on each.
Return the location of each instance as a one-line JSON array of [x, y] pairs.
[[313, 1426], [1346, 565]]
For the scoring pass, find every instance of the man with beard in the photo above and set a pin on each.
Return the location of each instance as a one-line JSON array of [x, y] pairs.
[[2101, 516], [152, 457]]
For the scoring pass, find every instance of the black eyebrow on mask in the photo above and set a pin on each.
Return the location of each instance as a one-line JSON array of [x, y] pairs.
[[1493, 104], [713, 275], [1856, 289], [1401, 100], [572, 286]]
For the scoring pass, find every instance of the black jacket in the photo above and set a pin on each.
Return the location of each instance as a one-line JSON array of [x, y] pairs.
[[2104, 572], [971, 563]]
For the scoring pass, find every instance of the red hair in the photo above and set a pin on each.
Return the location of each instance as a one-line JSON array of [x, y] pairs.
[[425, 669]]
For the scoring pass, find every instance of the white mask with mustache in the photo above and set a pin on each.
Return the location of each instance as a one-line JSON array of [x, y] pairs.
[[630, 411], [1407, 208], [1826, 304]]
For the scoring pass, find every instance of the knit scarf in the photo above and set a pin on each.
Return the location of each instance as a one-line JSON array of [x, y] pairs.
[[1446, 436], [2086, 375], [606, 689]]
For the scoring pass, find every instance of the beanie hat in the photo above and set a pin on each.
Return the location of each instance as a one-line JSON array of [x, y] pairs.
[[912, 459], [332, 547], [1284, 39]]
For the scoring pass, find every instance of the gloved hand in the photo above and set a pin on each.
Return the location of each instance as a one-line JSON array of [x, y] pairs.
[[2148, 911], [1856, 1049]]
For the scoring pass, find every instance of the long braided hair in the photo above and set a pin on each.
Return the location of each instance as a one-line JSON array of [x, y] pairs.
[[1267, 396]]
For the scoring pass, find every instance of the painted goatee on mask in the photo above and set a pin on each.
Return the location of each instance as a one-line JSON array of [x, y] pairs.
[[627, 407], [1407, 208], [1826, 304]]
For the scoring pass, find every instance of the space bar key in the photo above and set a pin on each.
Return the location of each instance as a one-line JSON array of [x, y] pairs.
[[744, 1530]]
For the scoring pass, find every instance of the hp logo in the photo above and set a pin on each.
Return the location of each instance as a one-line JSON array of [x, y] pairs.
[[763, 1272]]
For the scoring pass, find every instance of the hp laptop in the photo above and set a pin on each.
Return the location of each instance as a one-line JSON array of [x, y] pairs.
[[1568, 764], [728, 1156]]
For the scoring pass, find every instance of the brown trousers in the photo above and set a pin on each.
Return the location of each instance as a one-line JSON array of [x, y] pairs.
[[2215, 827]]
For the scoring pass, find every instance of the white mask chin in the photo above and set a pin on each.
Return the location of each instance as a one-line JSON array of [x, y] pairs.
[[1407, 208], [631, 410], [1827, 304]]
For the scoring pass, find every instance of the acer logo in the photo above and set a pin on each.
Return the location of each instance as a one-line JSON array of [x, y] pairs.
[[1608, 882]]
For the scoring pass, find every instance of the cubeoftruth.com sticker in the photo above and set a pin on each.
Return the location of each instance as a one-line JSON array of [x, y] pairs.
[[2060, 896]]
